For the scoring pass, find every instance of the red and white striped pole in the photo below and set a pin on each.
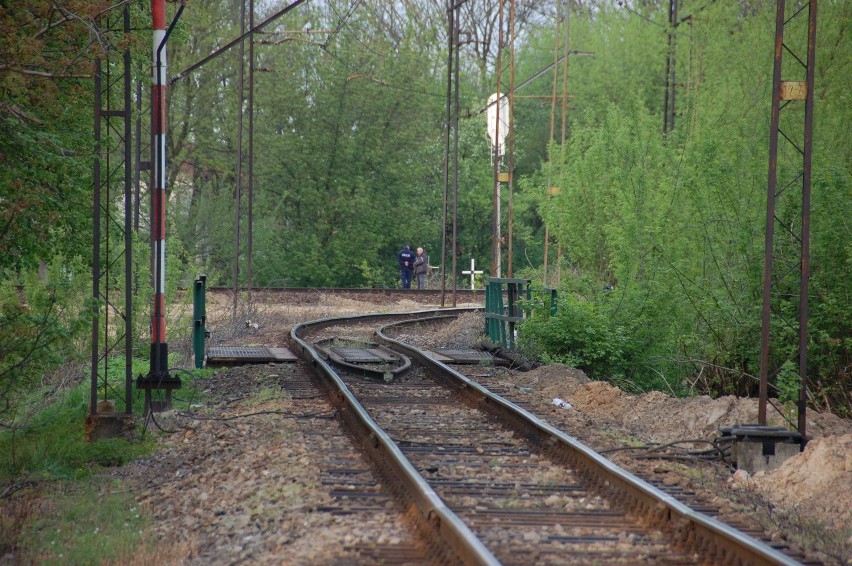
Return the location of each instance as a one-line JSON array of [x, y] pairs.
[[159, 347]]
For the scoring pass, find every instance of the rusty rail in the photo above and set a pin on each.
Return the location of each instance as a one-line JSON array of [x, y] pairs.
[[689, 528], [431, 512], [713, 540]]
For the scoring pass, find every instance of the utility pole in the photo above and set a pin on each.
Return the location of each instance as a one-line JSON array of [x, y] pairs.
[[565, 53], [669, 103], [113, 153], [556, 36], [495, 221], [238, 188], [511, 148], [457, 42], [448, 125], [671, 85], [250, 257], [789, 92], [452, 133], [562, 16]]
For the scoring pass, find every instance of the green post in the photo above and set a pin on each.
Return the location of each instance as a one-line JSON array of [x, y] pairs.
[[554, 302], [488, 309], [500, 309], [511, 295], [199, 316], [493, 307]]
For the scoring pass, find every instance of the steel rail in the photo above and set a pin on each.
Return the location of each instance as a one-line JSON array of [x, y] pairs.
[[691, 528], [432, 513], [364, 290]]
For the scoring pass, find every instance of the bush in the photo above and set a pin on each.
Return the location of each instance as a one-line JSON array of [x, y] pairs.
[[579, 336], [42, 325]]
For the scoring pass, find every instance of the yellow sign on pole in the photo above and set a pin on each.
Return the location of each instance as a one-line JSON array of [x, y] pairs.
[[794, 90], [503, 177]]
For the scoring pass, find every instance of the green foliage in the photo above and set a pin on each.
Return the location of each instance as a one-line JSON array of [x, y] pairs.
[[44, 108], [51, 445], [579, 336], [788, 383], [40, 328], [86, 522], [383, 276], [675, 223], [605, 332]]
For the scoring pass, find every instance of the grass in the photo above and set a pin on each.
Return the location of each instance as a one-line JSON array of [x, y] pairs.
[[265, 395], [52, 445], [84, 522], [56, 504]]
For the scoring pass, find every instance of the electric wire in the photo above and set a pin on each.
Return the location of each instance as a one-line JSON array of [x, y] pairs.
[[150, 416], [670, 450], [342, 22], [621, 4], [352, 32], [286, 414]]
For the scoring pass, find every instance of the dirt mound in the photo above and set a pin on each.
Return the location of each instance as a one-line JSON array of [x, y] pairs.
[[556, 380], [811, 494], [655, 416], [815, 483]]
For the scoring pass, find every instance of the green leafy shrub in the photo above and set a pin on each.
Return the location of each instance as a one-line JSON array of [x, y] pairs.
[[42, 324], [579, 336]]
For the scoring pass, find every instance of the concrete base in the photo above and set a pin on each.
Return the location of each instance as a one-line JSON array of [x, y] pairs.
[[757, 448], [752, 458], [110, 425]]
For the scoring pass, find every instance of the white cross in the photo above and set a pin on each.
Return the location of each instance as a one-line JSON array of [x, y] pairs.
[[473, 272]]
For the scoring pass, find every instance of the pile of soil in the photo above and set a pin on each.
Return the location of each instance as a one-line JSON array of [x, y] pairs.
[[657, 417], [808, 497], [815, 483]]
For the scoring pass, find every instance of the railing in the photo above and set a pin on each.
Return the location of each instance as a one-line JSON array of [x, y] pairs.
[[498, 313]]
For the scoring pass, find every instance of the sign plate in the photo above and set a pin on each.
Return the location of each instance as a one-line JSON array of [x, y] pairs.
[[794, 90]]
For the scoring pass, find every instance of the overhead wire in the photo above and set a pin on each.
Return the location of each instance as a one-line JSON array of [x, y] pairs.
[[352, 33], [342, 20], [622, 4]]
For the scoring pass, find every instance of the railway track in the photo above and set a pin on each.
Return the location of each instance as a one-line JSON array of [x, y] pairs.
[[486, 482], [354, 487], [308, 295]]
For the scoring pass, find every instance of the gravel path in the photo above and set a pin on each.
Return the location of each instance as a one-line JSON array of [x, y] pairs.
[[248, 479]]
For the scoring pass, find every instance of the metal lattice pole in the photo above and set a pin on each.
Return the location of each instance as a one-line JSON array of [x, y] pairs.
[[113, 153], [784, 94], [238, 188], [450, 46]]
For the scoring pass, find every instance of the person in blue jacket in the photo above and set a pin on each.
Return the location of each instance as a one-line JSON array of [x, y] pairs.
[[406, 257]]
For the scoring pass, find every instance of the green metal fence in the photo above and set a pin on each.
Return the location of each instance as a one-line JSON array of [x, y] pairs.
[[502, 317]]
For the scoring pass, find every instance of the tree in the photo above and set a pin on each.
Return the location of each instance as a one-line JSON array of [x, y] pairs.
[[46, 52]]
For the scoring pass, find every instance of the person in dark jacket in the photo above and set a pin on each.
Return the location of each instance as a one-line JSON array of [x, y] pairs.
[[421, 268], [406, 257]]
